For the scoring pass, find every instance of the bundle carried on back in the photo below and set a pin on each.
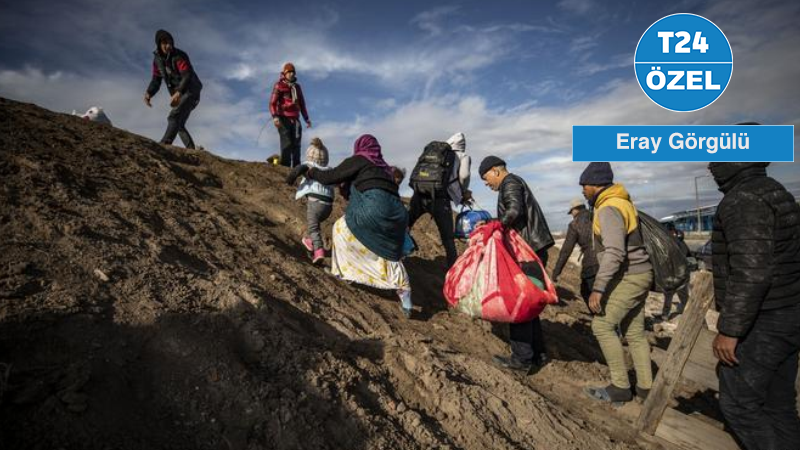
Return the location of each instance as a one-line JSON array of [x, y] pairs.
[[667, 255], [499, 278]]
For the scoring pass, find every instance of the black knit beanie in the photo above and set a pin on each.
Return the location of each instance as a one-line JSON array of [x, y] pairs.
[[488, 163], [597, 174]]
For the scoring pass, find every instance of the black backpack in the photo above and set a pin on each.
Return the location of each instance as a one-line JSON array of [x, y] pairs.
[[432, 172], [667, 255]]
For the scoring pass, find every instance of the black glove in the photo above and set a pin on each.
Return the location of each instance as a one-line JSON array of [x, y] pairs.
[[295, 173]]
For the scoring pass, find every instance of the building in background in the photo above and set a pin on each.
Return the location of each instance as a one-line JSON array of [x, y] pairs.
[[687, 220]]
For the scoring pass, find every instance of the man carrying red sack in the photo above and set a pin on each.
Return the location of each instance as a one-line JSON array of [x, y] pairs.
[[518, 209]]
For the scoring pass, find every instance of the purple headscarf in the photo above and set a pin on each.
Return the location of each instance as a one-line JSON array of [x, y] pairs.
[[368, 147]]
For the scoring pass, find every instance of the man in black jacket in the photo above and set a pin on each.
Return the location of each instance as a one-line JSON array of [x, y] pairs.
[[518, 209], [579, 231], [756, 259], [173, 66]]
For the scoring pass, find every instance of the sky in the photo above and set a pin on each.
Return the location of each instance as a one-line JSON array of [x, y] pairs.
[[513, 76]]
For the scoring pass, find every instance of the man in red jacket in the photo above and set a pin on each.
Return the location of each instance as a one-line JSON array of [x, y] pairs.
[[285, 105]]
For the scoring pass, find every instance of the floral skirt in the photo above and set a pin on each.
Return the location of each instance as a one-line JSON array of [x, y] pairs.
[[352, 261]]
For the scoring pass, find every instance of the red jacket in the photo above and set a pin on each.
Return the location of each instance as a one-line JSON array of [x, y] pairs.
[[281, 104]]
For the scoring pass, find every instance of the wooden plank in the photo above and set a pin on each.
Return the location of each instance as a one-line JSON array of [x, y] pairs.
[[702, 354], [698, 373], [689, 433], [680, 348], [654, 442]]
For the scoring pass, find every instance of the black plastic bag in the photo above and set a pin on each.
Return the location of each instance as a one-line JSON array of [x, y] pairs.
[[670, 266]]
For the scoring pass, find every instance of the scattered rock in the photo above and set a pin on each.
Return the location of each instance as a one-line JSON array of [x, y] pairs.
[[101, 275]]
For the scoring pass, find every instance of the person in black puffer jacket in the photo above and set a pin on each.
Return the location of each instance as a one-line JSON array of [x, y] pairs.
[[756, 262], [172, 65]]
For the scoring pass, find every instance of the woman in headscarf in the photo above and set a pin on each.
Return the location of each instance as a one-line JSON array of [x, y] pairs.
[[368, 240]]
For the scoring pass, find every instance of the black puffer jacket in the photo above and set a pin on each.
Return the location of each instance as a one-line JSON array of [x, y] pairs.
[[755, 246], [580, 232], [517, 208]]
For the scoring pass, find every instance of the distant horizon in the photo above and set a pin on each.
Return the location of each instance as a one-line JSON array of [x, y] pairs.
[[513, 79]]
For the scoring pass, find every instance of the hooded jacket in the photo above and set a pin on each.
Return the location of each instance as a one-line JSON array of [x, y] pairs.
[[461, 168], [281, 103], [618, 240], [517, 208], [755, 246], [315, 189], [174, 68]]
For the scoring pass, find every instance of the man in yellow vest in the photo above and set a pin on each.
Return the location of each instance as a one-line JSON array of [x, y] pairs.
[[621, 285]]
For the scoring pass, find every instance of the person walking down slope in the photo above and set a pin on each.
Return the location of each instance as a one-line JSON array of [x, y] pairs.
[[518, 209], [286, 105], [755, 246], [621, 285], [368, 241], [172, 65], [319, 198], [579, 231]]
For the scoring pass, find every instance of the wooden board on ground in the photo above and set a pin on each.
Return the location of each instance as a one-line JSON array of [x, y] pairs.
[[698, 373], [689, 433]]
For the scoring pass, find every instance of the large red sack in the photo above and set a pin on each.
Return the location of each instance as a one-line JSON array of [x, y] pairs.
[[488, 281]]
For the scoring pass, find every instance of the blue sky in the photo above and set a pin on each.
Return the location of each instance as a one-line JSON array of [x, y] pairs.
[[514, 76]]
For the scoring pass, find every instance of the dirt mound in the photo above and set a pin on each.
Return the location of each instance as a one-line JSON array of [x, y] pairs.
[[155, 297]]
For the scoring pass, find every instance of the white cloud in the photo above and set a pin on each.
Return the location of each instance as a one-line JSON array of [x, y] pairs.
[[577, 6], [429, 21]]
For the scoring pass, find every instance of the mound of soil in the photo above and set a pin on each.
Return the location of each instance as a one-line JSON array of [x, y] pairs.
[[156, 297]]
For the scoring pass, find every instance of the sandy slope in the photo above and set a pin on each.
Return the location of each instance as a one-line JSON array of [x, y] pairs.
[[153, 297]]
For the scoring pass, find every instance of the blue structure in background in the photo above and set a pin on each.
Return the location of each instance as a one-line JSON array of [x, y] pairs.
[[687, 220]]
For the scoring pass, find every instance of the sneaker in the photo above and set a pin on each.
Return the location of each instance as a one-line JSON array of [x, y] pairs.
[[308, 244], [319, 256], [642, 393], [610, 394], [509, 362], [406, 312]]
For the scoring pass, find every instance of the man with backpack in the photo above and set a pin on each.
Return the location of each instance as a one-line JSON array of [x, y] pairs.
[[621, 286], [437, 179], [172, 65], [518, 209], [756, 258], [579, 232]]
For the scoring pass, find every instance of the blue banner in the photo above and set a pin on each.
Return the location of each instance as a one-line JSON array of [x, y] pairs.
[[728, 143]]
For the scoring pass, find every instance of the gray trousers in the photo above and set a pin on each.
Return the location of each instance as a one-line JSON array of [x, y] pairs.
[[316, 213], [176, 121]]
